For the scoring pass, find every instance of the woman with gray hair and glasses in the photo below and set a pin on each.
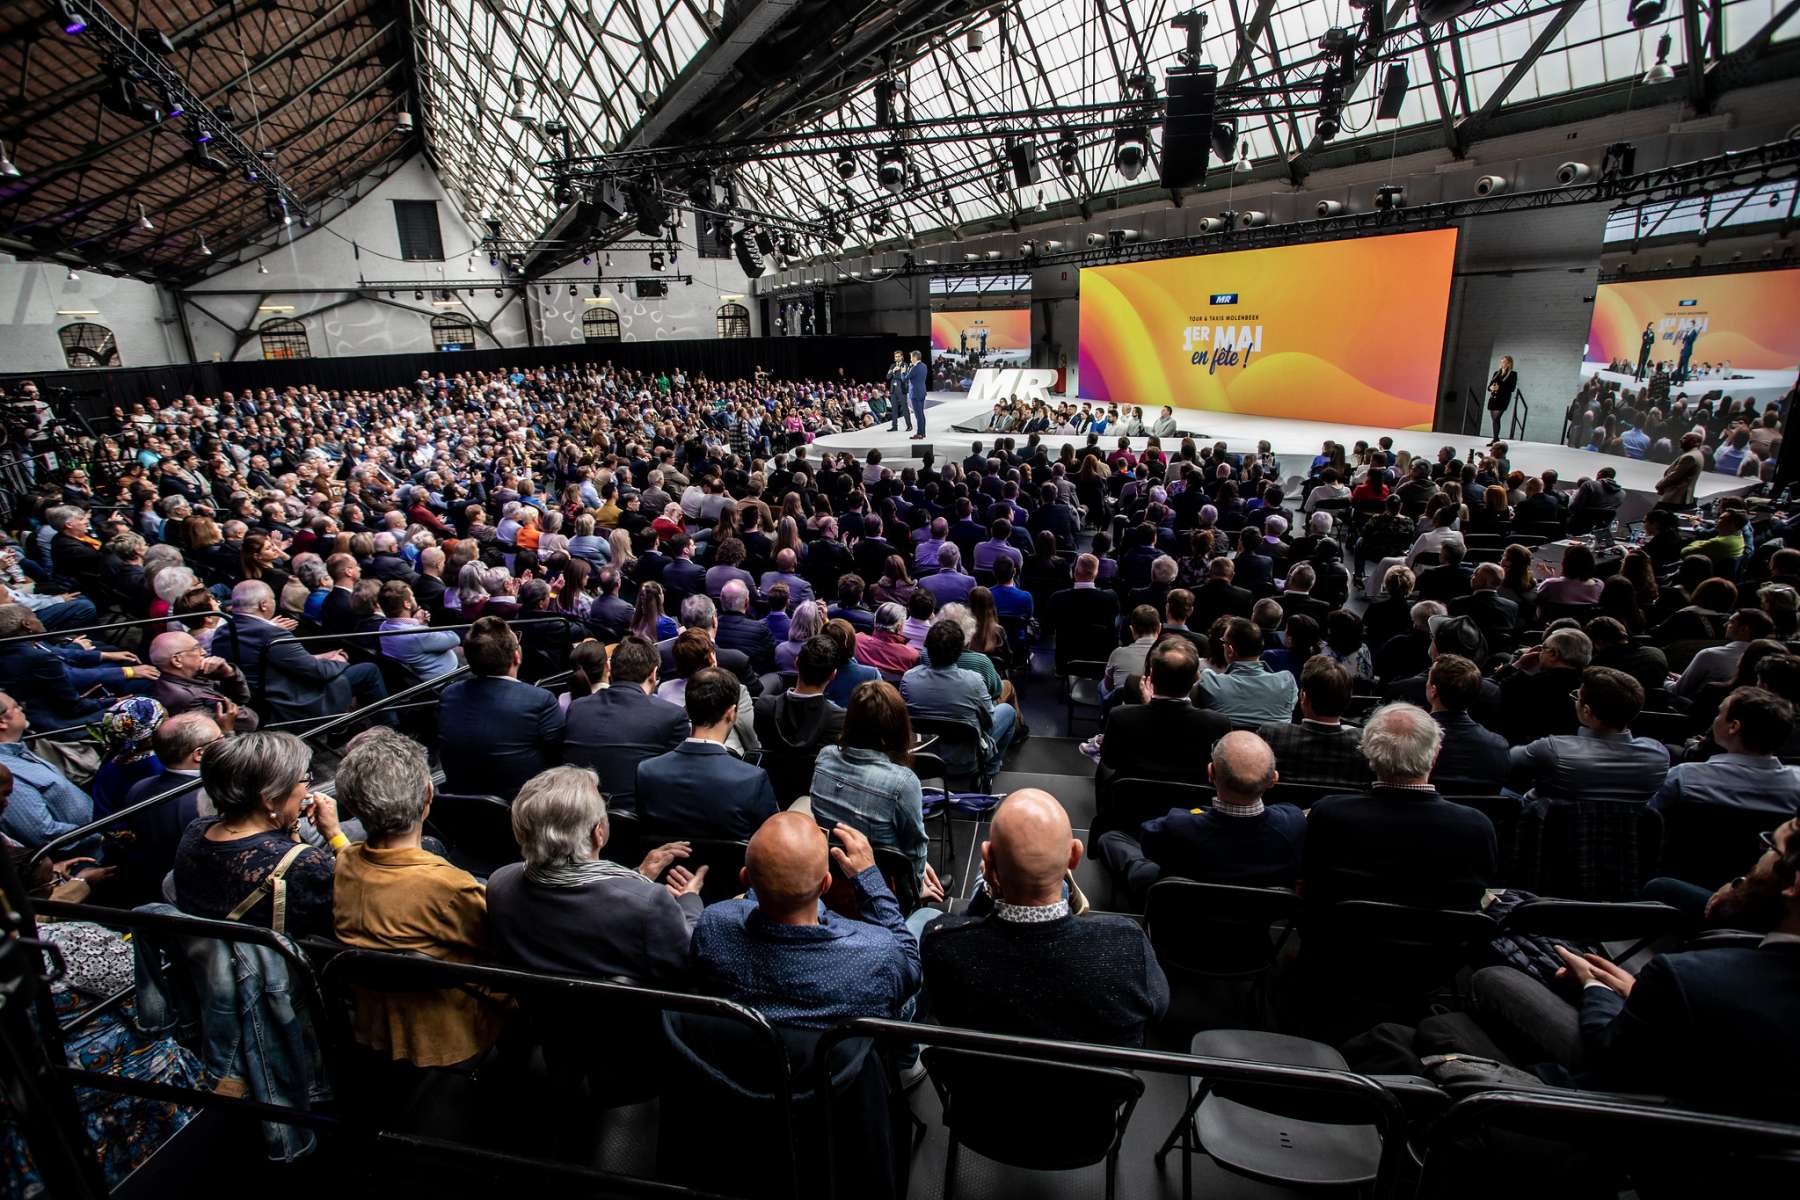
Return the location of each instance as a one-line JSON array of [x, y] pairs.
[[567, 910], [249, 862], [393, 894]]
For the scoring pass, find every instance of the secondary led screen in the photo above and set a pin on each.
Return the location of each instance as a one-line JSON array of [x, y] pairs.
[[1719, 331], [1349, 331], [964, 341]]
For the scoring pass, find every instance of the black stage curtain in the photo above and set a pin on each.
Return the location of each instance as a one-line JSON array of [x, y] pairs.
[[95, 393]]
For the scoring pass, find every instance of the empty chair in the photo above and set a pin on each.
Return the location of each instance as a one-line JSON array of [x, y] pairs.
[[476, 831], [1589, 849], [1212, 934], [1365, 961], [1081, 1122], [1277, 1135]]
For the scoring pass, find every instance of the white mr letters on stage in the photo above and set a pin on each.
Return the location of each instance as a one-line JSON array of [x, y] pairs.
[[1030, 384]]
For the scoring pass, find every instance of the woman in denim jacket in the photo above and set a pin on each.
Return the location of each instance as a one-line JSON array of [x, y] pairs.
[[866, 780]]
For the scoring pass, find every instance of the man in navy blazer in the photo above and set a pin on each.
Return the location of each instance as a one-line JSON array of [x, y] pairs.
[[700, 789], [682, 577], [738, 630], [622, 724], [494, 731], [1711, 1028], [1237, 840], [915, 385]]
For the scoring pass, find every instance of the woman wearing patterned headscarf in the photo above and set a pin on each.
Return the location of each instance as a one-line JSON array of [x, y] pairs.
[[125, 754]]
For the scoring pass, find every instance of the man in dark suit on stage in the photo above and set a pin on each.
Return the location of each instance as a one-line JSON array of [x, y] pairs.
[[915, 385]]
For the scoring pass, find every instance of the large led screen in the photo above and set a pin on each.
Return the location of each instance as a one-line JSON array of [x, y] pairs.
[[1702, 332], [1348, 331], [963, 341]]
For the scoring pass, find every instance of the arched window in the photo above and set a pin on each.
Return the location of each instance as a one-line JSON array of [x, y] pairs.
[[734, 321], [600, 324], [451, 331], [88, 345], [284, 337]]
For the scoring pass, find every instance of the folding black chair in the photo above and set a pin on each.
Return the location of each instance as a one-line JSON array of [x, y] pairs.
[[1207, 934], [476, 831]]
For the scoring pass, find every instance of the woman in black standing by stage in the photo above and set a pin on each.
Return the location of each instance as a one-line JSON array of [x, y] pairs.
[[1501, 388]]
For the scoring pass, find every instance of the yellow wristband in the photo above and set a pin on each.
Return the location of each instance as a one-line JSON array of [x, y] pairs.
[[128, 674], [338, 841]]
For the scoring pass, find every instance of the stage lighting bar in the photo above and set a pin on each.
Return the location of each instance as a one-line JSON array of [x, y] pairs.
[[121, 44], [1731, 171]]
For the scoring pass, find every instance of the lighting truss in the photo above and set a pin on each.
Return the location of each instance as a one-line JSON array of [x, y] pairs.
[[1759, 165], [119, 41]]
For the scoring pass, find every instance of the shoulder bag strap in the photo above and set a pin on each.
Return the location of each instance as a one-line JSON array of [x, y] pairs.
[[274, 882]]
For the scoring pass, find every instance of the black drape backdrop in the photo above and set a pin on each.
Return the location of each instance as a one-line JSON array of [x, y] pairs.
[[95, 393]]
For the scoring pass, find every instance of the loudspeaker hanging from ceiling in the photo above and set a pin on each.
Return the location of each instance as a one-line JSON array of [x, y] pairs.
[[1188, 128]]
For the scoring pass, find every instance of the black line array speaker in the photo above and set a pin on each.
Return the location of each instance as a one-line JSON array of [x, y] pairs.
[[1188, 129]]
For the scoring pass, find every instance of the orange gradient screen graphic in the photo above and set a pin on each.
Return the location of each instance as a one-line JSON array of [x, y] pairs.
[[1751, 321], [1349, 331], [1006, 328]]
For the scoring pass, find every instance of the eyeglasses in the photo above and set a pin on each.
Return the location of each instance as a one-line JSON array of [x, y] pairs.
[[1767, 838]]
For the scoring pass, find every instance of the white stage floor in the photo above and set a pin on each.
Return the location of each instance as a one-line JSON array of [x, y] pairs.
[[1294, 442]]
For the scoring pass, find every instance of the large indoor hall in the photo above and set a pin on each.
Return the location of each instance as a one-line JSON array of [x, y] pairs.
[[801, 600]]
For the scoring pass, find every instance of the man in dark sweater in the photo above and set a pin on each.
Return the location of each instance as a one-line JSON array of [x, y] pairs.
[[1029, 968], [1238, 840]]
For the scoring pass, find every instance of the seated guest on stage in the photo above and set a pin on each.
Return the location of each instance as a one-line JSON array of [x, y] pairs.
[[1401, 842], [568, 911], [393, 894], [1322, 748], [495, 731], [1028, 967], [1238, 840], [700, 789], [1751, 728], [1247, 691], [617, 727], [1710, 1028], [1601, 760], [778, 950]]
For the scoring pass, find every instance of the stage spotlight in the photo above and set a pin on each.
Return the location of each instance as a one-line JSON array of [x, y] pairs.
[[73, 276], [1487, 185], [1571, 173], [403, 122], [498, 292], [1224, 141], [1096, 239], [1328, 127], [1131, 150], [1068, 152], [977, 38], [1214, 224], [203, 158], [575, 291], [1642, 13], [890, 169], [1389, 197], [656, 260], [1661, 71], [205, 250], [74, 20], [597, 290], [1028, 249], [418, 293], [7, 166], [846, 165], [143, 221], [1253, 217], [1328, 208]]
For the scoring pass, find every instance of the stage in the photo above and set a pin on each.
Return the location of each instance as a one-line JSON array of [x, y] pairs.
[[1294, 443]]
